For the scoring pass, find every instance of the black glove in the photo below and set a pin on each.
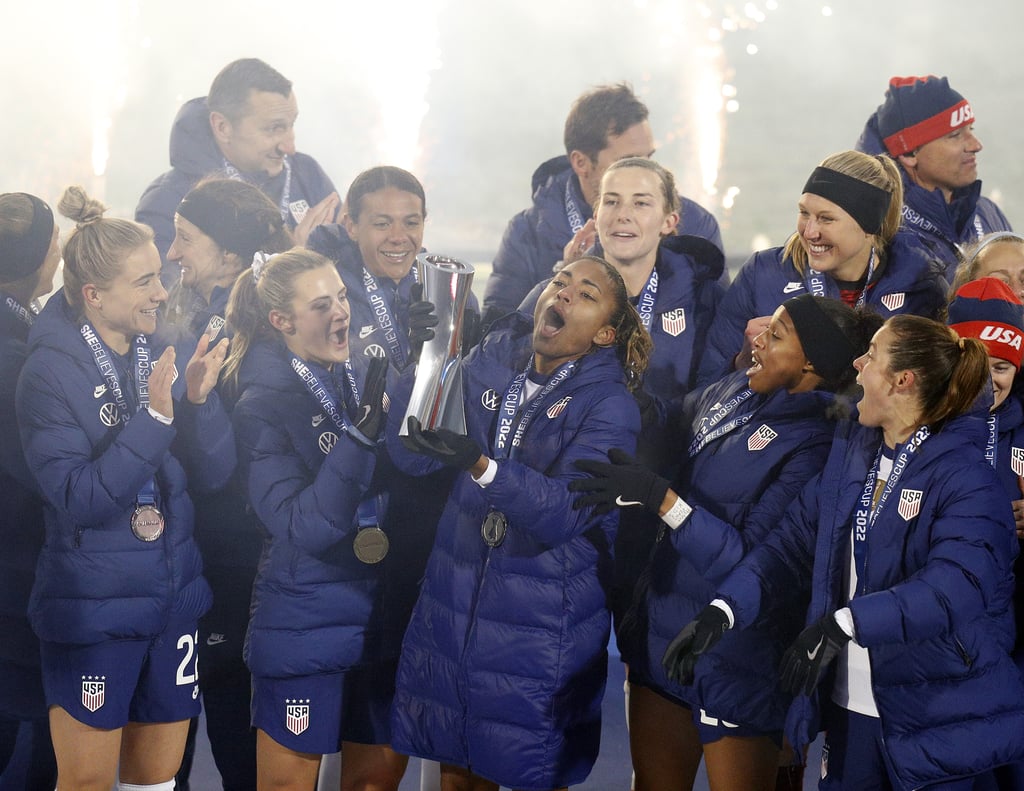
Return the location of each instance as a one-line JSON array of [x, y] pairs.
[[455, 450], [623, 482], [811, 652], [696, 638], [371, 406], [422, 320], [472, 330]]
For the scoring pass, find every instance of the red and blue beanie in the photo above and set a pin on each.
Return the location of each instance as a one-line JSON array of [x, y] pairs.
[[918, 110], [987, 309]]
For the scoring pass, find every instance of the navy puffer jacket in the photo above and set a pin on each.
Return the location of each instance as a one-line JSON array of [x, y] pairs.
[[314, 605], [933, 602], [739, 485], [95, 580], [504, 664]]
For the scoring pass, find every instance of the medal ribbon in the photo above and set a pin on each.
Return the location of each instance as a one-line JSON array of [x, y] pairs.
[[572, 211], [992, 443], [285, 204], [506, 440], [382, 312], [322, 394], [13, 306], [821, 285], [143, 367], [708, 427], [645, 303], [865, 516], [104, 364]]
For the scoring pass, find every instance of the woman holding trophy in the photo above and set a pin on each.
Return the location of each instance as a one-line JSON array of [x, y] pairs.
[[504, 663]]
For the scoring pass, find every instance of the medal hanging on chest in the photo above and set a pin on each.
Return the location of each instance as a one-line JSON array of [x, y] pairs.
[[146, 521], [371, 544], [493, 528]]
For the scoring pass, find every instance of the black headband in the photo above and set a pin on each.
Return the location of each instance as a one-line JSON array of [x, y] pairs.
[[21, 256], [866, 203], [825, 345], [238, 233]]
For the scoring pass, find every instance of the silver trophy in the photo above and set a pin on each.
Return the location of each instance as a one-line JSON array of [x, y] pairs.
[[437, 390]]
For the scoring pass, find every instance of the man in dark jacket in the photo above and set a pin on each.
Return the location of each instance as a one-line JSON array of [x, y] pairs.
[[928, 128], [605, 124], [244, 129]]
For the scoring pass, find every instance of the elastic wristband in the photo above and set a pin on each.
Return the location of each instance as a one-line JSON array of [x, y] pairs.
[[677, 514], [160, 417]]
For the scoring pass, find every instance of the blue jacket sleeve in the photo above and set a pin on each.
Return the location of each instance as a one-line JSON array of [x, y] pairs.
[[781, 564], [312, 512], [92, 488], [208, 440]]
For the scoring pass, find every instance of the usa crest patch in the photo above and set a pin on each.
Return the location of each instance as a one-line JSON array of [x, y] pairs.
[[674, 322], [558, 407], [759, 439], [910, 503], [894, 301], [1017, 460], [93, 692], [296, 715]]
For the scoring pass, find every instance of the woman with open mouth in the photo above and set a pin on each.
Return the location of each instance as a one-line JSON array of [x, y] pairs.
[[673, 281], [307, 422], [848, 245], [114, 438], [504, 663], [753, 440], [904, 542]]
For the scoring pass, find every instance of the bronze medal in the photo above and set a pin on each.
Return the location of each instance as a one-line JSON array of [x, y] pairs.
[[371, 545], [493, 528], [147, 523]]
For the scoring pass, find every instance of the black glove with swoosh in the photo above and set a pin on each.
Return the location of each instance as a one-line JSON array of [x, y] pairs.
[[372, 405], [622, 483], [811, 652], [693, 641]]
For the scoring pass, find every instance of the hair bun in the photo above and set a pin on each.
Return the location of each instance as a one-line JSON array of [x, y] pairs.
[[76, 205]]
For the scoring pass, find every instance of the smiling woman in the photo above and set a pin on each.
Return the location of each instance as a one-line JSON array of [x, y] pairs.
[[109, 429], [848, 245]]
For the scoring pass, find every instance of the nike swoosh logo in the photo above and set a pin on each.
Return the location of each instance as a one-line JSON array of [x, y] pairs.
[[813, 654], [791, 287], [216, 639], [619, 501], [99, 390], [367, 331], [317, 420]]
